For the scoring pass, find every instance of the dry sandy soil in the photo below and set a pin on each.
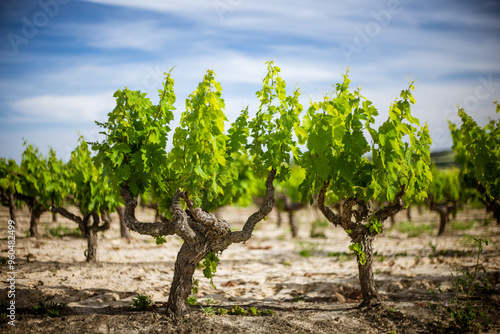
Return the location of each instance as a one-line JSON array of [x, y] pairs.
[[315, 294]]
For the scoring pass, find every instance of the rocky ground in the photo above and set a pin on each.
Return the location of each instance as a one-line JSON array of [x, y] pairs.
[[310, 283]]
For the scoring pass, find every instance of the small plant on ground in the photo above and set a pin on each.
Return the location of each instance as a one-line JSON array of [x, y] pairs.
[[221, 311], [341, 256], [209, 310], [381, 257], [462, 226], [62, 231], [192, 300], [253, 311], [297, 299], [413, 229], [237, 310], [142, 303], [465, 315], [267, 312], [52, 309], [318, 228], [306, 249]]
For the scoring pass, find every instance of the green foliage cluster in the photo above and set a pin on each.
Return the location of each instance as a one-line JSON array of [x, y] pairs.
[[477, 152], [201, 148], [39, 181], [213, 165], [291, 185], [445, 185], [8, 176], [85, 183], [271, 129], [358, 250], [136, 136], [160, 240], [332, 131], [210, 266]]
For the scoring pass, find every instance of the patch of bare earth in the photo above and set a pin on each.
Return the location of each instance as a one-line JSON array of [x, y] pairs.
[[309, 294]]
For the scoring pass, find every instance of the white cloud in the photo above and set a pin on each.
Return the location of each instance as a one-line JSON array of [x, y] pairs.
[[145, 35], [164, 6], [64, 108]]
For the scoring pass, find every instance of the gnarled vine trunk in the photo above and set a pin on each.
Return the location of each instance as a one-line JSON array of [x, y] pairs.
[[182, 283], [290, 207], [444, 209], [371, 296], [202, 233], [496, 213], [492, 204], [443, 221], [91, 252], [9, 200], [123, 228], [355, 218], [90, 225], [34, 222]]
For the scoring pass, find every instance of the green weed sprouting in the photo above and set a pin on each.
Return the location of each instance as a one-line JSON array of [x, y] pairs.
[[238, 310], [465, 316], [62, 231], [209, 310], [307, 249], [318, 228], [297, 299], [142, 303], [192, 300], [414, 229], [52, 309]]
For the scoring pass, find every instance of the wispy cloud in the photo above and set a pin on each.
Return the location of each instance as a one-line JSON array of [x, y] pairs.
[[63, 109], [142, 35]]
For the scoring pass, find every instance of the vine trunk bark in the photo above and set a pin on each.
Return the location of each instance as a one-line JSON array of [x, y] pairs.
[[91, 252], [371, 296], [182, 284], [34, 222], [443, 221], [124, 233], [293, 223], [12, 208]]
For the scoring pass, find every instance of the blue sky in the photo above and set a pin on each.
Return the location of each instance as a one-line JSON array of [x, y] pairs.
[[61, 60]]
